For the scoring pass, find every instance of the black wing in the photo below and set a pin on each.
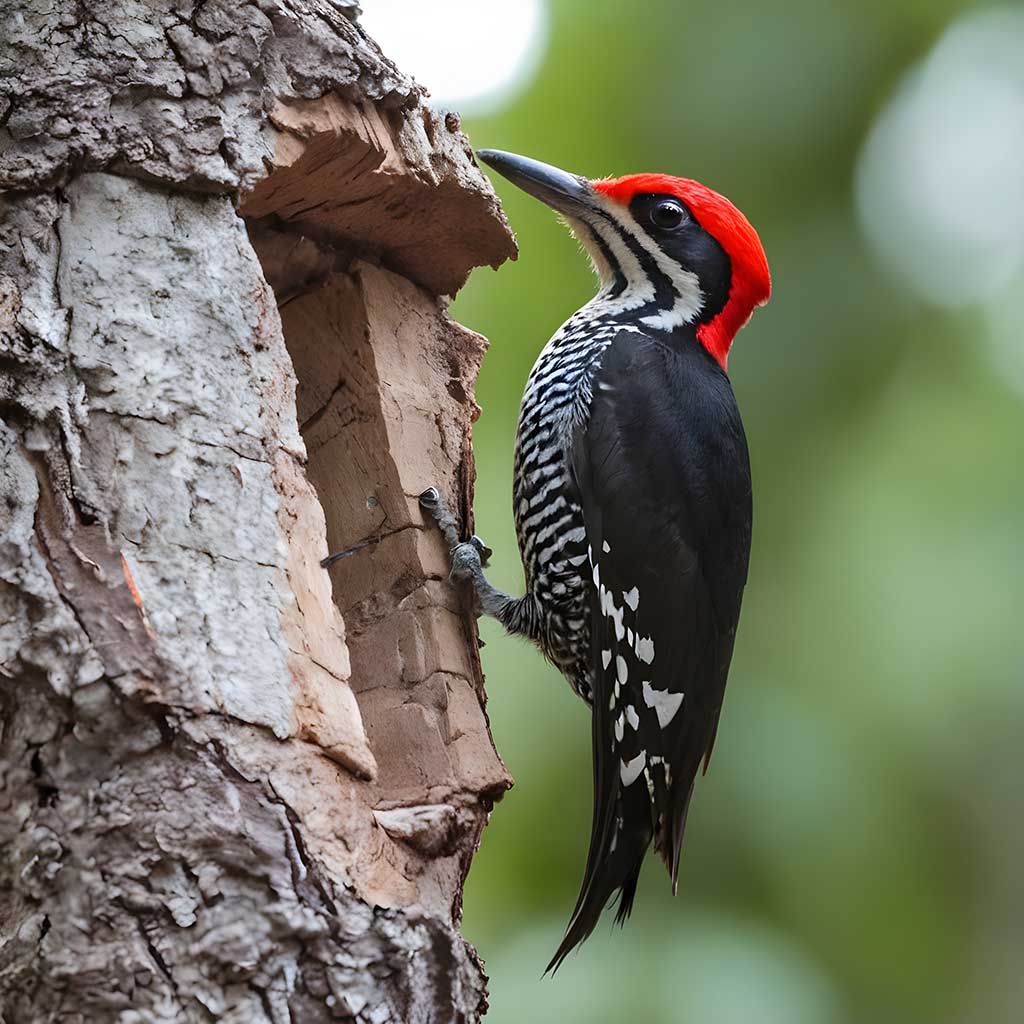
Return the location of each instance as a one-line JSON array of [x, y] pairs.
[[664, 479]]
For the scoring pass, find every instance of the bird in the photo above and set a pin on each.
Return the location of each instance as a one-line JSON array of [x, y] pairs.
[[632, 502]]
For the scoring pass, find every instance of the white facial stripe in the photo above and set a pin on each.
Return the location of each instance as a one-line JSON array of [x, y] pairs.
[[689, 298], [639, 288], [585, 235]]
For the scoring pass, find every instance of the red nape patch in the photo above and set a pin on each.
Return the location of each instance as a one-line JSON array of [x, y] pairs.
[[751, 281]]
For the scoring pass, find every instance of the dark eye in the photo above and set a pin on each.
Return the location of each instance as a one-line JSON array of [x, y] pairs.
[[667, 214]]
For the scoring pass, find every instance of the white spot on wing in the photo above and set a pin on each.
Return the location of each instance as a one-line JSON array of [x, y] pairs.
[[665, 704], [611, 610], [619, 728], [657, 759], [604, 547], [606, 657], [621, 672], [632, 717], [632, 598], [630, 771], [620, 631], [645, 649]]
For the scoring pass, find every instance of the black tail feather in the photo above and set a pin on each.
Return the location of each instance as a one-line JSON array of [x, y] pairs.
[[671, 854], [617, 848], [627, 893]]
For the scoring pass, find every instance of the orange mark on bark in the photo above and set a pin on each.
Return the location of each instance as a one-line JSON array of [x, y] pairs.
[[134, 590]]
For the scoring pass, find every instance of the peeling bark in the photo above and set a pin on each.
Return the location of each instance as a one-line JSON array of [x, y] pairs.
[[233, 786]]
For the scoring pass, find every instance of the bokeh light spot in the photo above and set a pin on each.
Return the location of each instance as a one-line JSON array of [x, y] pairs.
[[940, 183], [473, 54]]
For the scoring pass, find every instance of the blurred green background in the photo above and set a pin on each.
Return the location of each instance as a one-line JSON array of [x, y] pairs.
[[855, 852]]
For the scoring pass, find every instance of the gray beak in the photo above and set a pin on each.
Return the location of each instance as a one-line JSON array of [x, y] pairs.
[[564, 192]]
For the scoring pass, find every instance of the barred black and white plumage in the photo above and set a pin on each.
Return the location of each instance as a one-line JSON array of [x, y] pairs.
[[549, 519], [632, 501]]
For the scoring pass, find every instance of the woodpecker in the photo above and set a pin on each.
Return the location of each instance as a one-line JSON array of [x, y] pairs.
[[632, 501]]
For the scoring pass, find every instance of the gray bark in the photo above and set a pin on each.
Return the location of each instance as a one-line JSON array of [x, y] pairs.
[[233, 787]]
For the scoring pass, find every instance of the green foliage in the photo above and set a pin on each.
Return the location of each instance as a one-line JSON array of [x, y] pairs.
[[854, 852]]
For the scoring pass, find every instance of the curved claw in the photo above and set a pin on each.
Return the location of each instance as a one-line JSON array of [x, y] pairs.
[[430, 498], [482, 548]]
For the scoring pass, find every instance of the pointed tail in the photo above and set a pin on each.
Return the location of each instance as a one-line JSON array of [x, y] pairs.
[[619, 839]]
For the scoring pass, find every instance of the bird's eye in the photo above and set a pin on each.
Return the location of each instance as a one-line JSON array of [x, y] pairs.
[[667, 214]]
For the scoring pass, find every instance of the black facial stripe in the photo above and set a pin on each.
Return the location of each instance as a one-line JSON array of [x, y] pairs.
[[691, 247], [664, 291], [620, 278]]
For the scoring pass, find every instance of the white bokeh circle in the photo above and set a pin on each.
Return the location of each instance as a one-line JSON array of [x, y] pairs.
[[471, 54], [940, 181]]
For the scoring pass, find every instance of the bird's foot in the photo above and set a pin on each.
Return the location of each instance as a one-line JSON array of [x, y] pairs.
[[466, 562], [468, 558], [482, 548], [432, 503]]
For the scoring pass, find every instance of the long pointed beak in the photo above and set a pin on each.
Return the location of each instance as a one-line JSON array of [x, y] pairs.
[[564, 192]]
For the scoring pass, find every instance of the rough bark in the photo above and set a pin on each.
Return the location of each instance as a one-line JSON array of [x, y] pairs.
[[232, 786]]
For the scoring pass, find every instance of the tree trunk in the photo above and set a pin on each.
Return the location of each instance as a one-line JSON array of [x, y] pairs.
[[233, 786]]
